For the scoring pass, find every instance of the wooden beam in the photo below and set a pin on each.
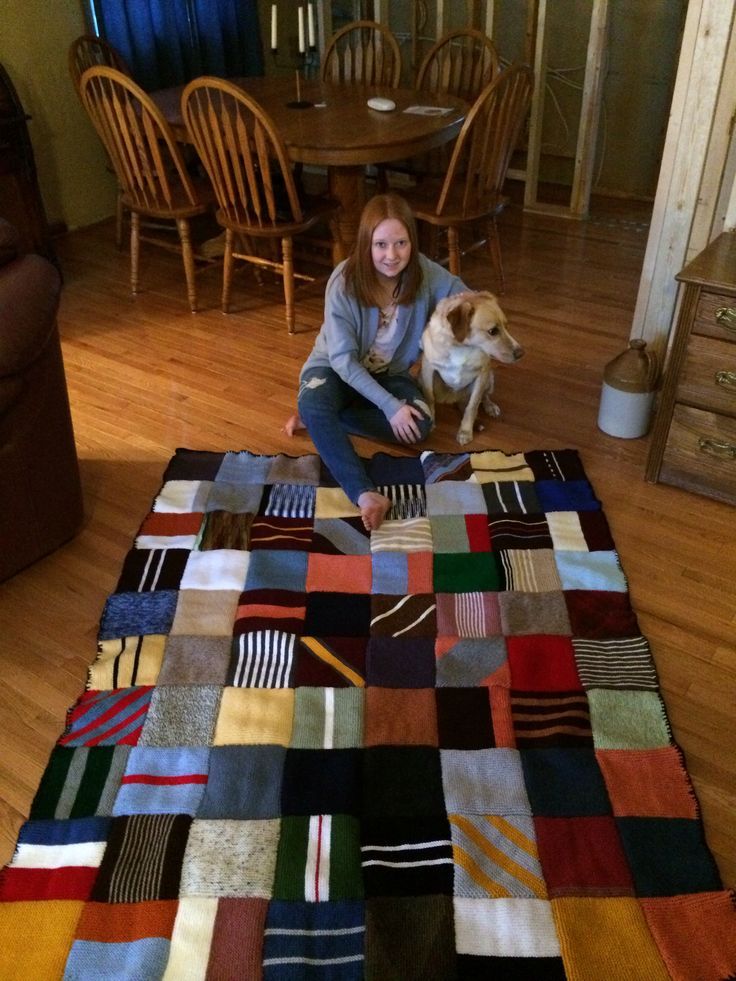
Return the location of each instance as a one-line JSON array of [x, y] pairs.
[[534, 146], [590, 111], [708, 28]]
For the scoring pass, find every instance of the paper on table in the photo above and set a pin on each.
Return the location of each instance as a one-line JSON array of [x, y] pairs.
[[429, 110]]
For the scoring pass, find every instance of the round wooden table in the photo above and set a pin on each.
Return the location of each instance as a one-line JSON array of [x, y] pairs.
[[340, 132]]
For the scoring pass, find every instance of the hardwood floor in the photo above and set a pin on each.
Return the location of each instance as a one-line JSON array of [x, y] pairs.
[[146, 376]]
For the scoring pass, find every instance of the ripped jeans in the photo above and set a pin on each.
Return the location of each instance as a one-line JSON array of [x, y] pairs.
[[333, 409]]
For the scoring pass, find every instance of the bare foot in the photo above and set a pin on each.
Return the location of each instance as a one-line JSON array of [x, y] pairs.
[[293, 425], [373, 509]]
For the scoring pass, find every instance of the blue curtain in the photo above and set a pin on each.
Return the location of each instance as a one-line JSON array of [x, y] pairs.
[[169, 42]]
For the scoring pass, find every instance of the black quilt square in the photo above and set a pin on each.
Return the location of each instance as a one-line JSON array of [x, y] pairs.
[[407, 857], [403, 616], [193, 465], [668, 856], [471, 967], [555, 464], [322, 781], [330, 662], [596, 531], [600, 614], [402, 782], [524, 531], [408, 938], [401, 662], [564, 782], [337, 615], [385, 468], [464, 718], [143, 858], [147, 570], [275, 532]]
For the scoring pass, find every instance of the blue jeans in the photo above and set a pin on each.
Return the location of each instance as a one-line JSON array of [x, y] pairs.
[[333, 409]]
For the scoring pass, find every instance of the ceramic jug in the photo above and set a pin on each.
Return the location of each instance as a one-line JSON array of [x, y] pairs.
[[629, 384]]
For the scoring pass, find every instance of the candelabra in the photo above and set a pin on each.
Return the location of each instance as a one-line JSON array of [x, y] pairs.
[[307, 45]]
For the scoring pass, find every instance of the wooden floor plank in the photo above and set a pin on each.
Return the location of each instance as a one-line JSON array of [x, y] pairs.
[[146, 376]]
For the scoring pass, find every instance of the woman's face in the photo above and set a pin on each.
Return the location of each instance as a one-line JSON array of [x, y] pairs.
[[390, 248]]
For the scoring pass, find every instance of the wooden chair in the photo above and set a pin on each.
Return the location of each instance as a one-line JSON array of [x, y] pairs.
[[461, 63], [364, 51], [148, 163], [249, 168], [86, 52], [472, 190]]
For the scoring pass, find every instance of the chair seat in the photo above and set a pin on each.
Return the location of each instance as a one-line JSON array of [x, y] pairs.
[[423, 202], [314, 209], [181, 206]]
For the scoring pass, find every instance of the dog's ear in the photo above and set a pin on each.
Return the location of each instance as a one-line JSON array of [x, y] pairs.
[[459, 320]]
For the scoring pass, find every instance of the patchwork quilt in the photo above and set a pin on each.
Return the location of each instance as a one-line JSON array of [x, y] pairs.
[[306, 751]]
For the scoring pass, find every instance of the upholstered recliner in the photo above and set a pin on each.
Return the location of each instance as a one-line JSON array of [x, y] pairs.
[[40, 489]]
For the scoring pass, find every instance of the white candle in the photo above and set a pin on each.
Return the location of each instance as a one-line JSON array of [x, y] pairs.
[[274, 34], [310, 24], [301, 29]]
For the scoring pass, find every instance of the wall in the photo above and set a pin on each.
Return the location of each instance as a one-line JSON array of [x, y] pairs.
[[34, 40]]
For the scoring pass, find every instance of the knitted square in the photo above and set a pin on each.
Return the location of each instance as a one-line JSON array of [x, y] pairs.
[[506, 928], [567, 495], [554, 718], [402, 782], [495, 466], [270, 609], [254, 716], [318, 859], [230, 858], [534, 613], [464, 718], [234, 498], [322, 781], [472, 614], [456, 572], [668, 856], [403, 535], [277, 569], [337, 615], [80, 782], [510, 497], [338, 573], [530, 570], [281, 534], [486, 781], [340, 536], [582, 856], [321, 934], [136, 614], [406, 858], [244, 782], [495, 856], [328, 718], [410, 936], [562, 782], [542, 662], [181, 716], [400, 717], [464, 662], [205, 612], [162, 781], [225, 530], [181, 496], [519, 531], [330, 662], [454, 497], [127, 661], [216, 569], [195, 661], [108, 718], [401, 662], [648, 783], [628, 719], [403, 616]]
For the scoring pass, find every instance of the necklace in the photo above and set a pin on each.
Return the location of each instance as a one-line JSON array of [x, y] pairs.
[[386, 314]]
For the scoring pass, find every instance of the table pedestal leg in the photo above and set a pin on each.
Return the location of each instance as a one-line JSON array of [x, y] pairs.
[[347, 186]]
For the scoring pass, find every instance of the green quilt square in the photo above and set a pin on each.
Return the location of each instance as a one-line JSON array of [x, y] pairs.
[[472, 572]]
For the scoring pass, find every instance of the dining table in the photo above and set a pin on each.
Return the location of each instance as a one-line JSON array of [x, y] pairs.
[[330, 125]]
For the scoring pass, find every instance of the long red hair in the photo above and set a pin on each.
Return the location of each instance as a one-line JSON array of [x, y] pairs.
[[360, 273]]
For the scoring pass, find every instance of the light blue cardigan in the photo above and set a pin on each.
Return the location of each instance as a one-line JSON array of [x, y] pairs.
[[349, 330]]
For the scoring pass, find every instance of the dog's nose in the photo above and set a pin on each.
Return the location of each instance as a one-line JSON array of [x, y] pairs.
[[518, 352]]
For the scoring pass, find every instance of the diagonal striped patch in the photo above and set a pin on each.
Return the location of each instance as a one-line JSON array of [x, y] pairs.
[[330, 657], [495, 857]]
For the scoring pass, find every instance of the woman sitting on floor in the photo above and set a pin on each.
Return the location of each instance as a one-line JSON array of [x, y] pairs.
[[357, 378]]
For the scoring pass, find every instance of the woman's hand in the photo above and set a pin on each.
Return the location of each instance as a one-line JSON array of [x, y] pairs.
[[403, 425]]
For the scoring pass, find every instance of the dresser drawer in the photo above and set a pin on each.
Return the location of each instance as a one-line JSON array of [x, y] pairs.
[[708, 377], [701, 453], [715, 316]]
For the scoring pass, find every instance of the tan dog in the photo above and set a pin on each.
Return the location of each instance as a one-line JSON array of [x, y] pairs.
[[464, 335]]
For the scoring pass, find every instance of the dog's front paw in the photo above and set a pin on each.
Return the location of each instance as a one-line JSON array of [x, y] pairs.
[[464, 436], [491, 409]]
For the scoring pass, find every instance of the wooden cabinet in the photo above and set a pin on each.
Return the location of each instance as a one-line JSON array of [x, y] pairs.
[[694, 435]]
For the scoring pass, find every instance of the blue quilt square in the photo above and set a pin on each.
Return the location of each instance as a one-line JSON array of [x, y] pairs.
[[134, 614], [244, 468], [565, 782], [329, 936], [244, 783], [385, 468], [568, 495], [277, 569], [163, 780]]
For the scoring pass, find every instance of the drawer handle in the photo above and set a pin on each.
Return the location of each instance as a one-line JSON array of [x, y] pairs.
[[716, 448], [726, 378], [726, 317]]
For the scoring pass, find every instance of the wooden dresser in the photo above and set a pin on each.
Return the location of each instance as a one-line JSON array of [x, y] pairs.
[[694, 435]]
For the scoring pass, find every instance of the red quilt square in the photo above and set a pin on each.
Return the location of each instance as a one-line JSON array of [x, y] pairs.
[[582, 856], [541, 662], [479, 536]]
